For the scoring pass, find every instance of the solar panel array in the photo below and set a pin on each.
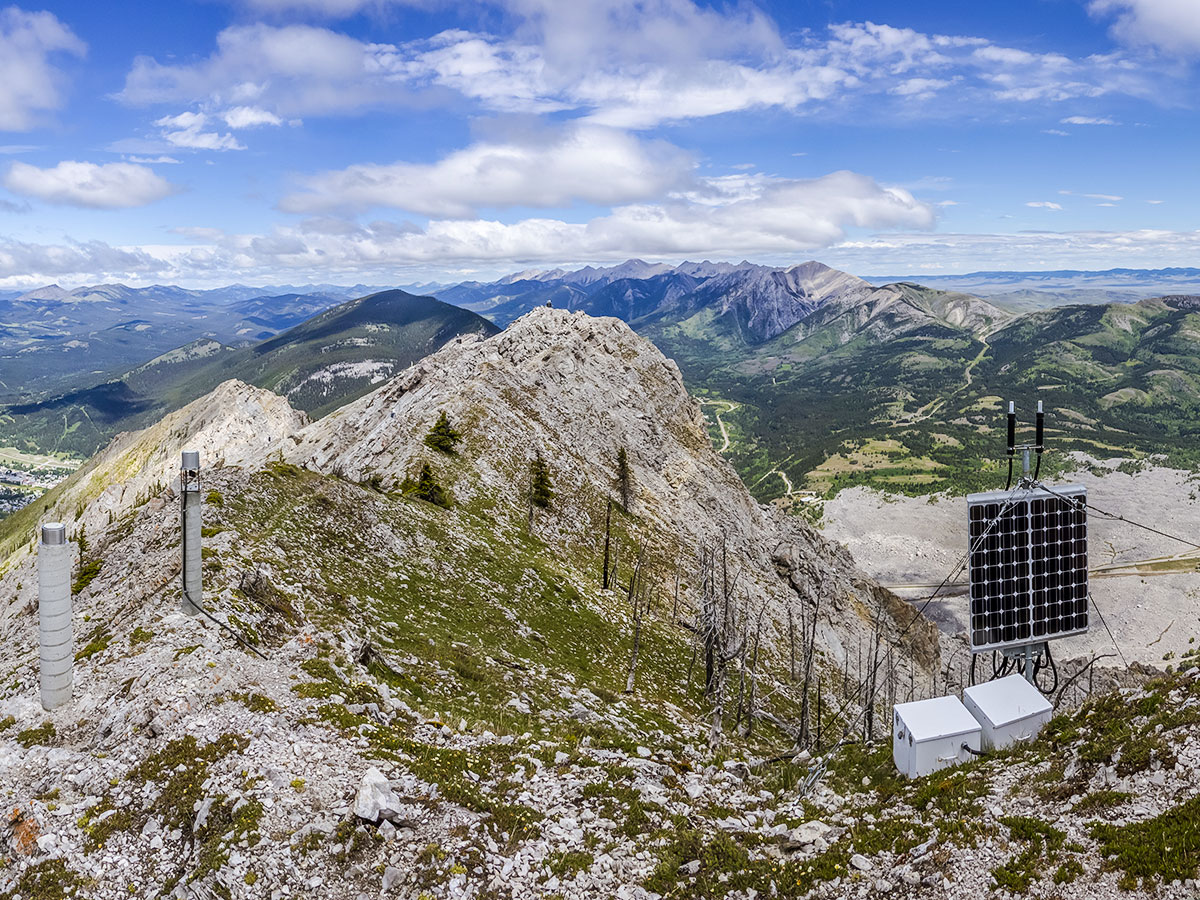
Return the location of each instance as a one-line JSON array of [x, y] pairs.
[[1028, 566]]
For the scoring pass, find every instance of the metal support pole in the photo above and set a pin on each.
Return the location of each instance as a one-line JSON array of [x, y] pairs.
[[192, 601]]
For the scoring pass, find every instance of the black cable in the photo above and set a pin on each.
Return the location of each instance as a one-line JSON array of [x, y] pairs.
[[973, 751], [237, 637], [1037, 466], [188, 597], [1008, 484], [1096, 607], [1048, 665], [1117, 518]]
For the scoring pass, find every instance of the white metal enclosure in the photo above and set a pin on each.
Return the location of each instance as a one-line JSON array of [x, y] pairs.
[[1008, 710], [928, 735]]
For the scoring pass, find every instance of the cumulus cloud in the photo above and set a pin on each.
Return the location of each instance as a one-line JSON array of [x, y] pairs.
[[1043, 204], [23, 263], [109, 186], [186, 130], [729, 216], [30, 83], [287, 71], [249, 117], [627, 64], [1171, 25], [583, 163]]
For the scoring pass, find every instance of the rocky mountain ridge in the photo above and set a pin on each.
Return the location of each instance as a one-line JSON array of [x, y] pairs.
[[745, 303], [453, 706], [411, 639]]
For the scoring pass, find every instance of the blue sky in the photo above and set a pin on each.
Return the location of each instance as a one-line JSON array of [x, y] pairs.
[[272, 141]]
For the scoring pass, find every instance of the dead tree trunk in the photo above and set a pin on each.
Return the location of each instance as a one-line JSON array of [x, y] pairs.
[[607, 536], [635, 603]]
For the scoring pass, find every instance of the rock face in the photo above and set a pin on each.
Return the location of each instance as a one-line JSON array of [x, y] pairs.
[[577, 390], [767, 302]]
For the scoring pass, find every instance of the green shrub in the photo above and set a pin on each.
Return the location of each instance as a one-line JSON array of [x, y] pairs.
[[426, 488], [541, 491], [443, 437], [87, 574]]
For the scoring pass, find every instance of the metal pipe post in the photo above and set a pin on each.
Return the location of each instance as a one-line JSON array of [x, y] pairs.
[[55, 635], [192, 601]]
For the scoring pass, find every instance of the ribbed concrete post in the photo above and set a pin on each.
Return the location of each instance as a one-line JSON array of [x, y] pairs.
[[189, 484], [55, 636]]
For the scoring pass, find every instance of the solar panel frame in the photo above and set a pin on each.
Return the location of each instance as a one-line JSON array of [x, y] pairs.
[[1028, 574]]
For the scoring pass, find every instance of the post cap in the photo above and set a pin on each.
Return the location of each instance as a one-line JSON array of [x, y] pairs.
[[191, 460], [54, 533]]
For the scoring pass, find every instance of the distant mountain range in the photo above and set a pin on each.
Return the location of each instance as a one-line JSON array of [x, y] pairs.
[[822, 380], [53, 340], [321, 364], [1027, 291], [815, 379]]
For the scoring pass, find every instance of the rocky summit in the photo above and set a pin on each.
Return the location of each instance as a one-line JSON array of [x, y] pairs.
[[509, 627]]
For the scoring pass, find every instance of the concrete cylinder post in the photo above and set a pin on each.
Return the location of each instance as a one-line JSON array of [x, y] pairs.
[[189, 492], [55, 635]]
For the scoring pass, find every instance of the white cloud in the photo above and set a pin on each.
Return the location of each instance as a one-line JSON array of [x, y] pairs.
[[1043, 204], [739, 215], [1112, 198], [1171, 25], [185, 130], [109, 186], [1056, 131], [29, 83], [629, 64], [1087, 120], [1154, 202], [1027, 251], [287, 71], [153, 160], [249, 117], [583, 163], [922, 88]]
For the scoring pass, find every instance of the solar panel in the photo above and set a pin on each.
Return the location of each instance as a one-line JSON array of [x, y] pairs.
[[1029, 571]]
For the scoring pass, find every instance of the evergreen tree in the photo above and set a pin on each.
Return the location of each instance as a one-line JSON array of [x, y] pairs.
[[541, 492], [443, 436], [428, 489], [624, 479]]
